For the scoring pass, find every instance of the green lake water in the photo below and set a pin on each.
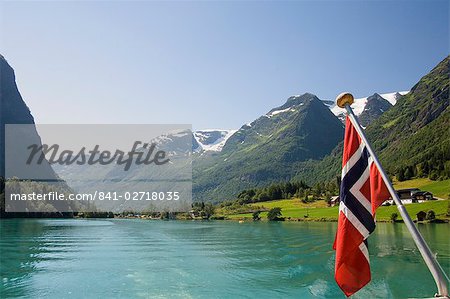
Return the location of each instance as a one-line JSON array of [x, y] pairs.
[[186, 259]]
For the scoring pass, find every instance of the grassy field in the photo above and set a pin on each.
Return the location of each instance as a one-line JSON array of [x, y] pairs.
[[318, 210], [439, 189]]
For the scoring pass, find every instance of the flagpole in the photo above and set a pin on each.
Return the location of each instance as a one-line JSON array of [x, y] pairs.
[[344, 100]]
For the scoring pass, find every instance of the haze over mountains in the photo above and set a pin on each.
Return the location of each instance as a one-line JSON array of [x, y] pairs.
[[301, 139]]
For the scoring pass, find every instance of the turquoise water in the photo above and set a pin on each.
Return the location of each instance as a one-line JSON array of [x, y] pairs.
[[184, 259]]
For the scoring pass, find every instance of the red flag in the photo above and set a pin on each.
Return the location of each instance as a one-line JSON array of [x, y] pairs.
[[362, 192]]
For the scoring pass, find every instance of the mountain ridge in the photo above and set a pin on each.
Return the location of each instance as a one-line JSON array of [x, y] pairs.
[[362, 105], [375, 106], [302, 128], [409, 138]]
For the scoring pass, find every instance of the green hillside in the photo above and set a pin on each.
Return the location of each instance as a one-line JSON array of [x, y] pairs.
[[273, 148], [305, 143], [440, 189], [415, 133], [318, 211], [412, 138]]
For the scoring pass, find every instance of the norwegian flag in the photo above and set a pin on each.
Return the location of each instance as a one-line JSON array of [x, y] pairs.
[[362, 192]]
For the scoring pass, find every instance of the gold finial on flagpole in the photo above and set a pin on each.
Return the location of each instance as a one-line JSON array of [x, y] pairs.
[[343, 99]]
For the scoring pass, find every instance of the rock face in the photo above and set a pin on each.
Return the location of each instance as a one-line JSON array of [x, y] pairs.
[[375, 106], [303, 123], [13, 109]]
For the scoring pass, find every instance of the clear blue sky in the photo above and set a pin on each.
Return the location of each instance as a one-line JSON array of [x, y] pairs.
[[212, 64]]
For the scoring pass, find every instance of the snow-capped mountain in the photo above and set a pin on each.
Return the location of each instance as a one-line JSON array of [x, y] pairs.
[[211, 140], [267, 149], [360, 104], [368, 108]]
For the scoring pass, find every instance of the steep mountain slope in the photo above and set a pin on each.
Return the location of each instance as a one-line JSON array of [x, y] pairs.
[[271, 148], [375, 106], [414, 134], [416, 129], [13, 110]]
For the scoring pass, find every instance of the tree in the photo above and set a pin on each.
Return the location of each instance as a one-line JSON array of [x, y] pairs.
[[431, 215], [208, 210], [408, 173], [317, 189], [394, 217], [274, 214], [400, 175], [434, 175], [256, 216], [274, 192], [307, 199], [263, 196], [203, 210]]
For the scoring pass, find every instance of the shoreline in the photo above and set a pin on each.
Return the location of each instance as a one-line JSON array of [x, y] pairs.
[[239, 220], [436, 221]]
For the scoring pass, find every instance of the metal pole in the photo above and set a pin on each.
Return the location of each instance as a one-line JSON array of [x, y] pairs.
[[438, 274]]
